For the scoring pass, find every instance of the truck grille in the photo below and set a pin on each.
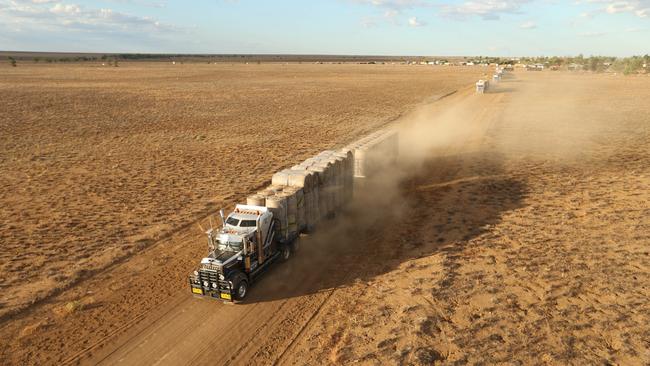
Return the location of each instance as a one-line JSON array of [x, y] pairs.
[[211, 277]]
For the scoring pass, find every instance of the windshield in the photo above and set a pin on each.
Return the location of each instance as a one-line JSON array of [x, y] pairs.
[[247, 223], [229, 246], [232, 221]]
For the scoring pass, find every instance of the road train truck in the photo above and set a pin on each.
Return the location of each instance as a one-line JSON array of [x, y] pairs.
[[268, 227], [245, 246]]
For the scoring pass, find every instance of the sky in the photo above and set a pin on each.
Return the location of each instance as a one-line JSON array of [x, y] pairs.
[[340, 27]]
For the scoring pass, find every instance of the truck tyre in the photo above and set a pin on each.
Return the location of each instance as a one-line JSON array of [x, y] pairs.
[[240, 288], [295, 246], [286, 253]]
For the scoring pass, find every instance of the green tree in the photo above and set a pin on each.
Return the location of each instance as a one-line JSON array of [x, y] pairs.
[[596, 64], [633, 65]]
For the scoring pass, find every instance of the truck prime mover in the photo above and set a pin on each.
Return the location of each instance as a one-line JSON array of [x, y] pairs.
[[241, 250]]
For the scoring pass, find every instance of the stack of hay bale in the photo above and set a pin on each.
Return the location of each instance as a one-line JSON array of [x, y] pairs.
[[372, 154], [321, 186]]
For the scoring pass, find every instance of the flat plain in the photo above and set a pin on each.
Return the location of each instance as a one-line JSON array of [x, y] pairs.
[[516, 232]]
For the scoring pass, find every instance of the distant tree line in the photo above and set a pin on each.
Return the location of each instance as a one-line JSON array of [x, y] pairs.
[[625, 65]]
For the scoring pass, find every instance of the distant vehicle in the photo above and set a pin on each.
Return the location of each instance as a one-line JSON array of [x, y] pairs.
[[482, 86]]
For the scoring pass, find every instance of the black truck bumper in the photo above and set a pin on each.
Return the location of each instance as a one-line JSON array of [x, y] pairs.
[[222, 292]]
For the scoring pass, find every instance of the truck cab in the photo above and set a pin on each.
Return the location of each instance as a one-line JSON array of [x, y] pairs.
[[238, 252]]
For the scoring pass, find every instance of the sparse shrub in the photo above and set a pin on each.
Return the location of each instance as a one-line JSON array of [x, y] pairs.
[[633, 65], [73, 306], [12, 61]]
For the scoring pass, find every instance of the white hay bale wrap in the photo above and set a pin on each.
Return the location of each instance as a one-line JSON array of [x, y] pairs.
[[360, 155], [327, 187], [312, 208], [292, 211], [321, 205], [348, 172], [278, 206], [300, 205], [338, 170]]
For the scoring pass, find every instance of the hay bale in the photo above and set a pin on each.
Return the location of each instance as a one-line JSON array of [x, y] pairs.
[[312, 208], [327, 196], [256, 200], [320, 197], [302, 179], [278, 206], [281, 178], [301, 219], [292, 211], [360, 159]]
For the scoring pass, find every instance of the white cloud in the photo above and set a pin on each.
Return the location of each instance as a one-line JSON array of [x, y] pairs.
[[49, 15], [639, 8], [592, 34], [392, 11], [68, 9], [414, 22], [394, 4], [528, 25], [619, 7], [486, 9]]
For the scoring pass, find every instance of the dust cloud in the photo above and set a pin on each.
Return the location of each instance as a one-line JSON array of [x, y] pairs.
[[471, 125], [341, 243]]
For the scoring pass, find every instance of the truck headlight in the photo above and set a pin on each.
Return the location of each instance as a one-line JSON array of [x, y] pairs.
[[222, 277], [214, 285], [196, 273], [205, 284]]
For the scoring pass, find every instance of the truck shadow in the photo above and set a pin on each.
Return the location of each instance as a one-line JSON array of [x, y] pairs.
[[447, 201]]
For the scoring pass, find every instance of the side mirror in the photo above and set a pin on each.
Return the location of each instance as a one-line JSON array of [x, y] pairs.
[[223, 220]]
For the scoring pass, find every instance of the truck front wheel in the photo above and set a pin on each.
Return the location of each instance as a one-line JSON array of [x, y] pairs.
[[295, 246], [240, 288], [286, 253]]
